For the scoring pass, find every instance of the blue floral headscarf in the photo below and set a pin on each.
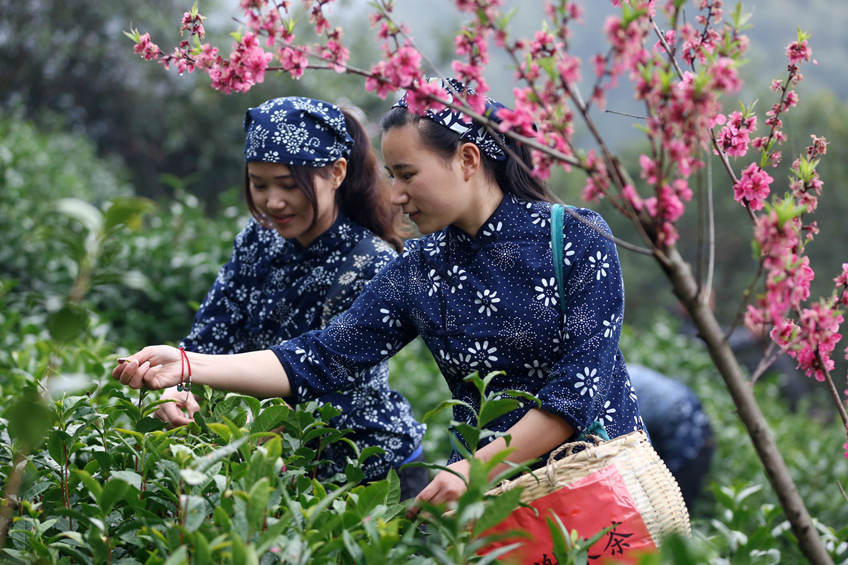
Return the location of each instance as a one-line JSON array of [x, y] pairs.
[[464, 125], [296, 131]]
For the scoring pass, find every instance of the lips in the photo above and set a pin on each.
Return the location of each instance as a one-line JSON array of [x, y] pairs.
[[281, 219]]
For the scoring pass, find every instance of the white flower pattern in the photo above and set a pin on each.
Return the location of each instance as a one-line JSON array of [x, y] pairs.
[[487, 300], [389, 319], [567, 253], [435, 282], [611, 325], [546, 291], [455, 277], [600, 263], [483, 354], [587, 381]]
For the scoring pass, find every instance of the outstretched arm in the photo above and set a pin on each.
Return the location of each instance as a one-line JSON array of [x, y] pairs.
[[320, 361], [257, 373]]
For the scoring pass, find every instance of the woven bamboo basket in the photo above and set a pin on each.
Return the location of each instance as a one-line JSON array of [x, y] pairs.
[[652, 486]]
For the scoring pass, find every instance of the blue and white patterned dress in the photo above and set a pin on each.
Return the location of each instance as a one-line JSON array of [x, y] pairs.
[[274, 289], [486, 304]]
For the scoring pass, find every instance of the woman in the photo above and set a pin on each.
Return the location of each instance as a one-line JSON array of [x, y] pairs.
[[479, 290], [320, 209]]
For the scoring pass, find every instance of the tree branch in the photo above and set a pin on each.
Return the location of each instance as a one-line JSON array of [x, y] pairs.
[[834, 393], [707, 290], [667, 48], [686, 289]]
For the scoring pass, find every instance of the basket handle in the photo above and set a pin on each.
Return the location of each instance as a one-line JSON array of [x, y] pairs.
[[589, 440]]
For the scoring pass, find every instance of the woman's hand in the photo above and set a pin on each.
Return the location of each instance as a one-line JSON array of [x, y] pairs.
[[174, 412], [155, 366], [444, 487]]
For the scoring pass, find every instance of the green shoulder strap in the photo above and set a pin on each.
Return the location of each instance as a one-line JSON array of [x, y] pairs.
[[557, 212]]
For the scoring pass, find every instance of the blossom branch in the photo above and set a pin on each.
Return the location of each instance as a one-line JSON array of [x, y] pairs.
[[671, 58]]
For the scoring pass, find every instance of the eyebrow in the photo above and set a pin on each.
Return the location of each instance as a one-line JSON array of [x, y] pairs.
[[277, 177], [398, 166]]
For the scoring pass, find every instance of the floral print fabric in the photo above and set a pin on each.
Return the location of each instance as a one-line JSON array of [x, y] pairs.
[[490, 303], [273, 289], [296, 131]]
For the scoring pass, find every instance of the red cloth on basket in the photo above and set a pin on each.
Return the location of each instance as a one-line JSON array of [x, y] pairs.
[[588, 505]]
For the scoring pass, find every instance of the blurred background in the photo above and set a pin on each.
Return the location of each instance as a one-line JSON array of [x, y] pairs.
[[120, 196]]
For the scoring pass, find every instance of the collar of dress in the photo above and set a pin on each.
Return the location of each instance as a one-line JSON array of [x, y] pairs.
[[507, 215]]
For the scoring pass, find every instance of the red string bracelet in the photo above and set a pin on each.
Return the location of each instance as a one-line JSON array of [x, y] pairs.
[[184, 363]]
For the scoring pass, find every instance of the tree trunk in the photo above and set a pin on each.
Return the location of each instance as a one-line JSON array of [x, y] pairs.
[[686, 290]]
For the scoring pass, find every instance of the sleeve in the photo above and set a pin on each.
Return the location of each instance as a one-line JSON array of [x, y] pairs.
[[579, 383], [375, 327], [218, 326]]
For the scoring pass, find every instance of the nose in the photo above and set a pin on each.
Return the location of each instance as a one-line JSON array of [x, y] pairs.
[[276, 200], [399, 196]]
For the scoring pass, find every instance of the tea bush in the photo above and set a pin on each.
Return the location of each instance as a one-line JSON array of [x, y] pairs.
[[92, 477]]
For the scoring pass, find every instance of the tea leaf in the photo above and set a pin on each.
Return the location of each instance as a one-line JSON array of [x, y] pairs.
[[130, 477], [68, 323], [91, 484], [179, 557], [203, 463], [192, 477], [195, 511], [113, 491], [257, 503]]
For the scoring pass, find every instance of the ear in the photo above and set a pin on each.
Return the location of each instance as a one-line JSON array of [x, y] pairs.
[[469, 159], [338, 171]]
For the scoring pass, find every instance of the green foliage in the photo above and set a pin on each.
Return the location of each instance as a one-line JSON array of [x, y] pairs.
[[87, 254], [151, 287], [102, 480]]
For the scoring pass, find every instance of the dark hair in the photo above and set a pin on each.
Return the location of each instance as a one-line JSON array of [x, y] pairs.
[[363, 196], [512, 177]]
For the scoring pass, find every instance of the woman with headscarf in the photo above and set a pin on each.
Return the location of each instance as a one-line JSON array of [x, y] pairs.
[[322, 227]]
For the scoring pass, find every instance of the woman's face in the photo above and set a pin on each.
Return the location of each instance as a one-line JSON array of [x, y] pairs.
[[432, 191], [278, 198]]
